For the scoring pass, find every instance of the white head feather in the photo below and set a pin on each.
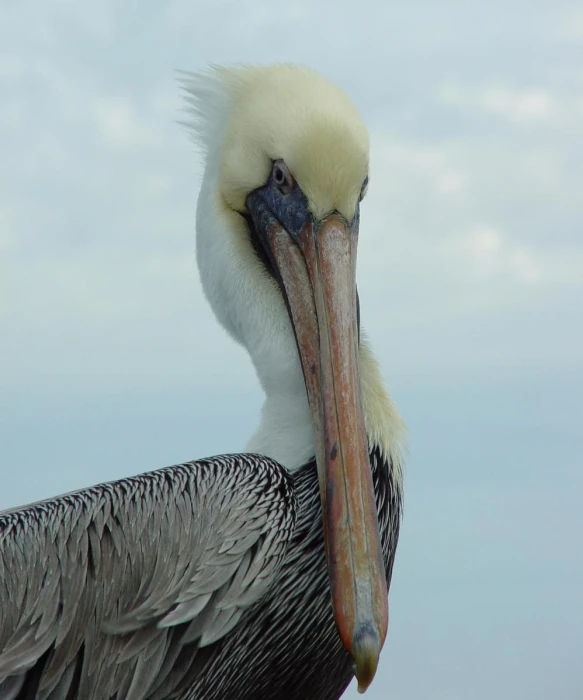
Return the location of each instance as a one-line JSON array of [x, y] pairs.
[[247, 117]]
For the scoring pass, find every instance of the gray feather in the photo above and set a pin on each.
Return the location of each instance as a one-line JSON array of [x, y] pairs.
[[113, 581]]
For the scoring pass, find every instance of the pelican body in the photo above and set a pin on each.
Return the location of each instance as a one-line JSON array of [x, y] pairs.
[[256, 575]]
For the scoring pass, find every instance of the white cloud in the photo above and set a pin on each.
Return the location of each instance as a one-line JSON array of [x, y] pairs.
[[493, 257], [119, 125], [571, 26], [522, 263], [429, 251], [534, 105], [525, 105], [114, 182], [485, 241], [108, 283], [450, 183]]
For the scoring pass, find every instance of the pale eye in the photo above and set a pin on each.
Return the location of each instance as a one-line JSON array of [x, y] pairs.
[[281, 177], [278, 175], [363, 189]]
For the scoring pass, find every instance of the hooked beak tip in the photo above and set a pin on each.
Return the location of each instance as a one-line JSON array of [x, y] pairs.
[[366, 648]]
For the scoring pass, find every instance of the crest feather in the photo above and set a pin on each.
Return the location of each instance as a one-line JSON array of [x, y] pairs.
[[245, 117]]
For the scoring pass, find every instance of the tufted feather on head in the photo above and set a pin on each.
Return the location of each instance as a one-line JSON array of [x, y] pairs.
[[248, 117]]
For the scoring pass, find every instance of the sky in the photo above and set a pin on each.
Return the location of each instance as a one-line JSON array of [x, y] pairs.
[[470, 277]]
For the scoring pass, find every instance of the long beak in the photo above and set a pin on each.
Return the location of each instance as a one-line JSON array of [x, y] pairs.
[[317, 266]]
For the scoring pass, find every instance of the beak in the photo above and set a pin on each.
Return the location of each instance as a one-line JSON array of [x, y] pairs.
[[315, 263]]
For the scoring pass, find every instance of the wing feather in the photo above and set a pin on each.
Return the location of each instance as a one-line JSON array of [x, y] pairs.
[[122, 589]]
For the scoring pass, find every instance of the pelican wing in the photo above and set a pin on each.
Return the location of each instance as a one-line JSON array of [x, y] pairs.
[[116, 589]]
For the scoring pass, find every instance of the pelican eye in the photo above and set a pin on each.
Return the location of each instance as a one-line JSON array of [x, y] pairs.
[[282, 178], [363, 189]]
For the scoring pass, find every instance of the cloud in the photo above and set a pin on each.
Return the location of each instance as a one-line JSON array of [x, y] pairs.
[[107, 284], [530, 105], [571, 26], [450, 182], [535, 107], [436, 236], [454, 225], [119, 125], [493, 257]]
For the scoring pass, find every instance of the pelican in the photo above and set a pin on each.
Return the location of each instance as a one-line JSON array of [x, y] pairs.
[[247, 576]]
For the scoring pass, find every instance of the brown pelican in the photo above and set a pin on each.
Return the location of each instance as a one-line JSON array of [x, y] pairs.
[[249, 576]]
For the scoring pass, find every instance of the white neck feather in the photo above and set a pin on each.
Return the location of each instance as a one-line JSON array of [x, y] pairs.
[[285, 432], [248, 303]]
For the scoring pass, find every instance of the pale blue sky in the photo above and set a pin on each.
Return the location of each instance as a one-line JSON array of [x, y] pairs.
[[470, 273]]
